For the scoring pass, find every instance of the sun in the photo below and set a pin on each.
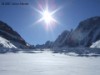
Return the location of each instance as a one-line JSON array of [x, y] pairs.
[[47, 17]]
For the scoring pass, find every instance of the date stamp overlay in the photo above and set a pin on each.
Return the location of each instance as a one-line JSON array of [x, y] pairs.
[[13, 3]]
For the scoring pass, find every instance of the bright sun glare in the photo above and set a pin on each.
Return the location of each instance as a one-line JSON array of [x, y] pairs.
[[47, 17]]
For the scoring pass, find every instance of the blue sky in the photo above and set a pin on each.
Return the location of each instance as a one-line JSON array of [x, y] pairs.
[[22, 18]]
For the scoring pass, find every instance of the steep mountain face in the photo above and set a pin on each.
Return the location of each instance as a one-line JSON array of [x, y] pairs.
[[11, 37], [87, 32], [60, 41], [48, 44]]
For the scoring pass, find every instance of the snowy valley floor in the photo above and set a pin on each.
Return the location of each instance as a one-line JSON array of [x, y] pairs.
[[47, 63]]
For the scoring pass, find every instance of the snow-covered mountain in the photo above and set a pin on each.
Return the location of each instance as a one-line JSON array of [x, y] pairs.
[[87, 32], [59, 42], [10, 38], [48, 44]]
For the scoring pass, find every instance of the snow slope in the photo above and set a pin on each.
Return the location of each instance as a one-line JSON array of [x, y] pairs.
[[5, 43], [47, 63], [96, 44]]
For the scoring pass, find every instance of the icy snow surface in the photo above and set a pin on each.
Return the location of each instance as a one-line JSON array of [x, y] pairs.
[[47, 63]]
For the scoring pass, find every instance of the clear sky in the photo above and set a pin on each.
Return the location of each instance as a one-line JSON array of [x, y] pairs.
[[22, 18]]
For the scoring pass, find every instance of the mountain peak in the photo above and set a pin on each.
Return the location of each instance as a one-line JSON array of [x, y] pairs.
[[12, 36], [87, 32]]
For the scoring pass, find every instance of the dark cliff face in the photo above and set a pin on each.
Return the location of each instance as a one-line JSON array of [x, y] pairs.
[[8, 33], [87, 32]]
